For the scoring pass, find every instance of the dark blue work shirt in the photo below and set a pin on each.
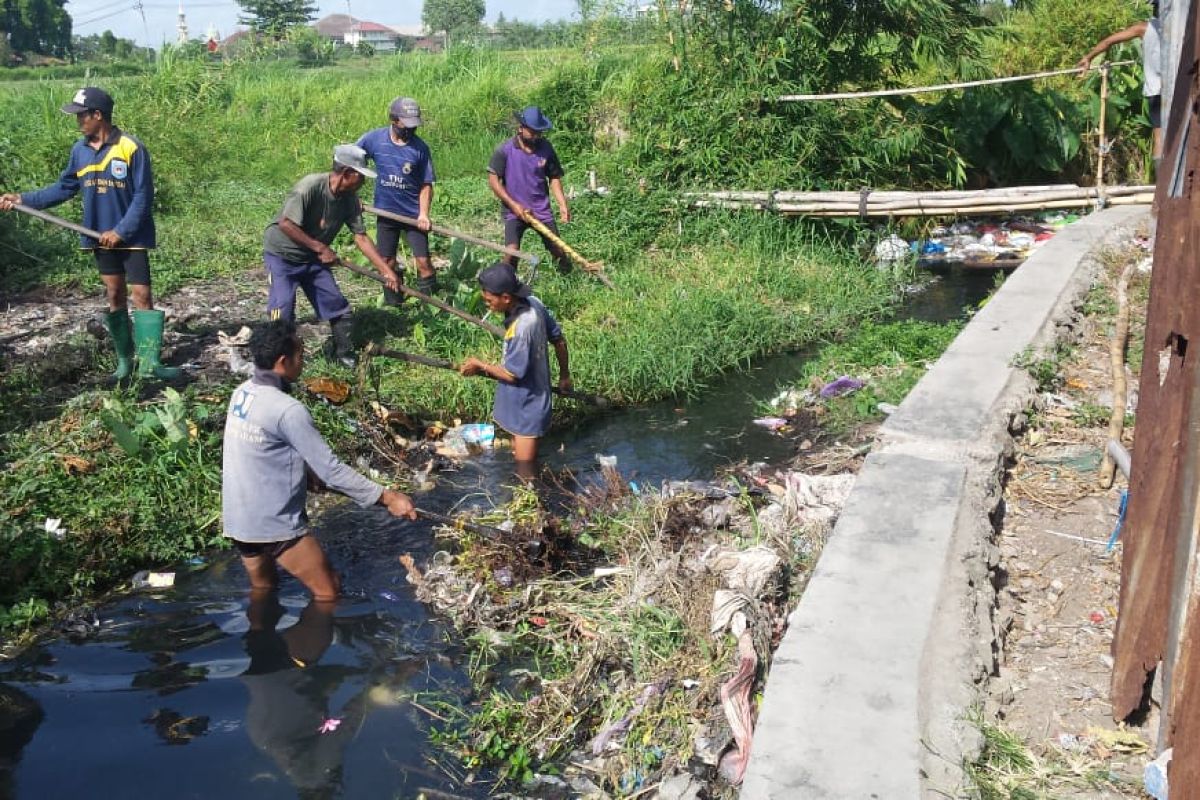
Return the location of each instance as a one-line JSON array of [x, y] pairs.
[[118, 190]]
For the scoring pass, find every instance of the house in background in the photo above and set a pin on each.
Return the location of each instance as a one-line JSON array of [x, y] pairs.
[[380, 37], [343, 29], [334, 27]]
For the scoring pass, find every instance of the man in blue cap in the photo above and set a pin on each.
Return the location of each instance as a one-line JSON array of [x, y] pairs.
[[523, 173], [404, 186], [112, 170], [523, 390]]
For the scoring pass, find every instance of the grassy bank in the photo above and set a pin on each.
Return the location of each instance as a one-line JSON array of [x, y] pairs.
[[697, 295]]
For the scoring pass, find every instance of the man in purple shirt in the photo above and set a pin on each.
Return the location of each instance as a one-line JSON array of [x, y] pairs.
[[404, 186], [523, 173]]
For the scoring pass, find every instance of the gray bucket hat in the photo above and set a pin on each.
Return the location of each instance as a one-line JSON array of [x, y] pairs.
[[406, 111], [354, 157]]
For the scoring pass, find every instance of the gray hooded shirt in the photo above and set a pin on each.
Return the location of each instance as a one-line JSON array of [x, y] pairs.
[[269, 438]]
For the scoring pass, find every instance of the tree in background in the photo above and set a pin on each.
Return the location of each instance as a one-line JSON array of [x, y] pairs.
[[105, 46], [275, 18], [456, 17], [36, 26]]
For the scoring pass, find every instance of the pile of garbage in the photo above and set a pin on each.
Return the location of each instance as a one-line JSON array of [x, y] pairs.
[[722, 559], [978, 243]]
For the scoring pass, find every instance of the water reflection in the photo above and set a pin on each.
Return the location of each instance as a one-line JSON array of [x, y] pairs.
[[288, 717]]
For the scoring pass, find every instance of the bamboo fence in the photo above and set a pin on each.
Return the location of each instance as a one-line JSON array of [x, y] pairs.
[[870, 203]]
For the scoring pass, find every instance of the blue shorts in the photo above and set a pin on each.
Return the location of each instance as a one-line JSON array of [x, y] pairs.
[[314, 278]]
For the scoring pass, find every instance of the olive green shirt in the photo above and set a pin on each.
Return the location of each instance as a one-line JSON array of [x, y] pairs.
[[316, 211]]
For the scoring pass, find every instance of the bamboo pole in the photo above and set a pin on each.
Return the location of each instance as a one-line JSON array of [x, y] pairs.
[[1116, 358], [466, 237], [1103, 148], [594, 268], [877, 196], [53, 220], [495, 330], [441, 363], [945, 212], [929, 209], [1085, 195]]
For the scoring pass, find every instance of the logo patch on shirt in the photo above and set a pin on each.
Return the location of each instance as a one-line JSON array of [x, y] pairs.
[[242, 400], [119, 169], [541, 163], [407, 167]]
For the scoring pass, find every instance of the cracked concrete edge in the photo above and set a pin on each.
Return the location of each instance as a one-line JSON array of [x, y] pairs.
[[838, 740]]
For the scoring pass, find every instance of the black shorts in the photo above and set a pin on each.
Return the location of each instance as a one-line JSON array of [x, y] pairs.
[[387, 238], [514, 232], [133, 264], [1154, 105], [268, 549]]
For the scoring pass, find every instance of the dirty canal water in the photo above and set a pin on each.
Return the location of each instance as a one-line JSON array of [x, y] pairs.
[[195, 692]]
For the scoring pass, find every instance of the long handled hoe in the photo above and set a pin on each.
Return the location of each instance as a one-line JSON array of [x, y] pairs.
[[440, 363]]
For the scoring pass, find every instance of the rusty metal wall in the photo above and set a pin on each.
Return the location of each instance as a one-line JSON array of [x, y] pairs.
[[1159, 608]]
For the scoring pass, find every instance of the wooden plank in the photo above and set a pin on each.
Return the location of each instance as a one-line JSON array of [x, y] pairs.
[[1169, 373]]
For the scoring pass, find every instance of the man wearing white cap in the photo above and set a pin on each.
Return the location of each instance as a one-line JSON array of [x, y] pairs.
[[404, 186], [297, 252]]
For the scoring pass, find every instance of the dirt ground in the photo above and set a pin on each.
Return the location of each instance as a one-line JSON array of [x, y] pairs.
[[1062, 580], [44, 322]]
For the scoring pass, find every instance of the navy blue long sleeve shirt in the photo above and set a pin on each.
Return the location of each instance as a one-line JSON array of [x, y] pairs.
[[118, 190]]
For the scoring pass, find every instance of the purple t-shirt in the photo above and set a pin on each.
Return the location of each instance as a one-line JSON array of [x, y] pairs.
[[526, 176], [403, 169]]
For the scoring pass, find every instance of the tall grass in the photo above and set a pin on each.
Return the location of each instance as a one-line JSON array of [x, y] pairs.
[[699, 294]]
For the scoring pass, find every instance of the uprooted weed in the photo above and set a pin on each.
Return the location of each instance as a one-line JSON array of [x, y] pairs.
[[612, 672]]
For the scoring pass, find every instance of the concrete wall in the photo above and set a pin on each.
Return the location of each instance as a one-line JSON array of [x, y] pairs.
[[868, 693]]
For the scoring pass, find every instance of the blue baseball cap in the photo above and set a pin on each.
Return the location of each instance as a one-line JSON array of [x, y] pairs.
[[533, 118], [90, 98]]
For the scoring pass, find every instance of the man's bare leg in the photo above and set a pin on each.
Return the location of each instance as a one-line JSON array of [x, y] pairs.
[[307, 562], [262, 574], [525, 454]]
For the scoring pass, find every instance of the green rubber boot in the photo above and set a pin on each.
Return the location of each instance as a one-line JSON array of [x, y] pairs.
[[148, 336], [117, 323]]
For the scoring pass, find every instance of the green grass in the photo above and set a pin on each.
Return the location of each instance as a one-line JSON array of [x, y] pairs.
[[889, 356], [698, 294]]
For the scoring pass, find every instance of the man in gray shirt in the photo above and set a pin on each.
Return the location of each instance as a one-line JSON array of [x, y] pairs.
[[296, 246], [522, 406], [272, 450]]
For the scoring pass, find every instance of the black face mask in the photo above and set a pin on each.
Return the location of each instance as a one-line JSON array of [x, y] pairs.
[[402, 133]]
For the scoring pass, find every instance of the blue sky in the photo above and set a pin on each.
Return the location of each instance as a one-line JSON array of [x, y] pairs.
[[122, 18]]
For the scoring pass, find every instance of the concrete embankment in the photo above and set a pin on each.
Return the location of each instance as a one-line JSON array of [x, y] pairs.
[[869, 692]]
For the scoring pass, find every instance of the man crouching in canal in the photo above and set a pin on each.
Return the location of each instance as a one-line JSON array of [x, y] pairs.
[[523, 391], [272, 451]]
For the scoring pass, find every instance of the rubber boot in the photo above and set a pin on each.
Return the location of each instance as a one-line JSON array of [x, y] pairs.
[[148, 336], [391, 298], [343, 344], [427, 284], [117, 323]]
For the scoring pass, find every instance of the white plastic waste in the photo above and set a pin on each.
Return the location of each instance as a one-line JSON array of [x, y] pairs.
[[891, 250], [1154, 778]]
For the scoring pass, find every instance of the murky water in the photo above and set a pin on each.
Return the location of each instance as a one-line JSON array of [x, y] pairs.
[[194, 692]]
